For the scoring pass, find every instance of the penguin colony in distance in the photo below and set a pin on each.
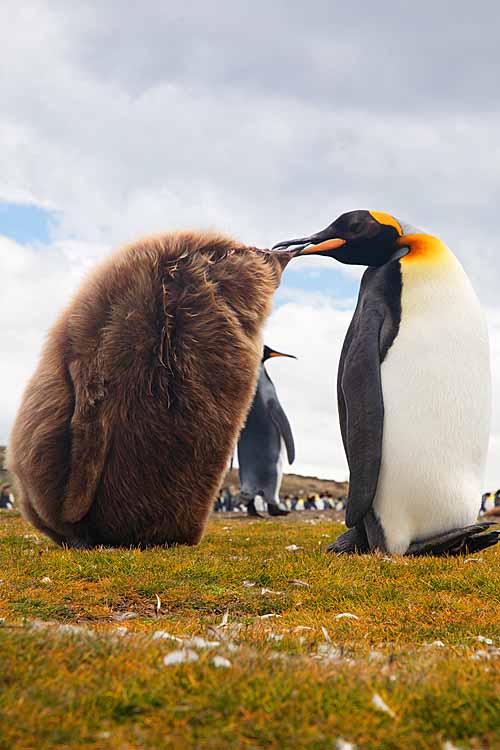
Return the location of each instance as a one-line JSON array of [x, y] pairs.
[[262, 445], [126, 428], [413, 390]]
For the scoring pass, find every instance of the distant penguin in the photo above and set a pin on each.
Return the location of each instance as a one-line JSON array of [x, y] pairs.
[[413, 390], [126, 428], [491, 504], [262, 445]]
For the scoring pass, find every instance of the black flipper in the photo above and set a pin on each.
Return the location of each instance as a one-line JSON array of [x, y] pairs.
[[352, 541], [361, 388], [280, 419], [342, 408], [457, 542], [373, 328]]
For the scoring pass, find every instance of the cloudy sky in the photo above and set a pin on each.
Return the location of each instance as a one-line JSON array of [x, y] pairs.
[[265, 120]]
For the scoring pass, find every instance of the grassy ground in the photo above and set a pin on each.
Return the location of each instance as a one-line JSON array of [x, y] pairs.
[[80, 666]]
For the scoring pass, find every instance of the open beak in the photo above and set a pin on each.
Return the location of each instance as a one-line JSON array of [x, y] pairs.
[[297, 244], [272, 353], [309, 245]]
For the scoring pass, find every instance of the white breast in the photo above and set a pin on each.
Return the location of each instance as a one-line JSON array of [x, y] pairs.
[[436, 388]]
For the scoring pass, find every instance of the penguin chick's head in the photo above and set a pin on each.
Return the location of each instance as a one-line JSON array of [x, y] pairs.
[[269, 353], [366, 238]]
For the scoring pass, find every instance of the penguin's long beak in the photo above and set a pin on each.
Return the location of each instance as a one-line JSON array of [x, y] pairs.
[[315, 244], [273, 353]]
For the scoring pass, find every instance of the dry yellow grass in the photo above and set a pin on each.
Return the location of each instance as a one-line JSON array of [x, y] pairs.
[[304, 678]]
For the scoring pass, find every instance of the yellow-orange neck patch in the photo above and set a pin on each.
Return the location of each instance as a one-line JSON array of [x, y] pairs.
[[424, 248], [386, 220]]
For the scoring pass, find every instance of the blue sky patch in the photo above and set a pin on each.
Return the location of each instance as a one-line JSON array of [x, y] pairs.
[[332, 283], [26, 223]]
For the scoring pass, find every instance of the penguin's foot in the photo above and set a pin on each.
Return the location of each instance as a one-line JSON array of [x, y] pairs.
[[457, 542], [277, 510], [252, 510], [351, 541]]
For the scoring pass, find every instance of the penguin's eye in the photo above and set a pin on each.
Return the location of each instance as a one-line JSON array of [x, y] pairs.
[[355, 227]]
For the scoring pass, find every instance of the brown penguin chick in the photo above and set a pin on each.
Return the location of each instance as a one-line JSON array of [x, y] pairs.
[[126, 428]]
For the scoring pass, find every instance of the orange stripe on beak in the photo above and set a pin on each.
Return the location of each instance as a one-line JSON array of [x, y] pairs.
[[280, 354], [323, 247]]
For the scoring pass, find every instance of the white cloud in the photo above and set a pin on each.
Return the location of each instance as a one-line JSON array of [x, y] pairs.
[[36, 284], [312, 329], [123, 136]]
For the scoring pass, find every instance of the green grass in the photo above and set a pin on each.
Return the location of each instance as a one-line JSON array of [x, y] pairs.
[[103, 683]]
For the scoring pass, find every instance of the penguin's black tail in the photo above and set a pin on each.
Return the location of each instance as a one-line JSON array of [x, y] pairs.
[[457, 542]]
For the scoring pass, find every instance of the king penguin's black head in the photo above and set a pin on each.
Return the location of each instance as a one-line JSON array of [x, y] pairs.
[[366, 238], [268, 353]]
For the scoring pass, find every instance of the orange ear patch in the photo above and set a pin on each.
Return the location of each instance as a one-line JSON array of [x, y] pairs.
[[386, 220], [424, 249]]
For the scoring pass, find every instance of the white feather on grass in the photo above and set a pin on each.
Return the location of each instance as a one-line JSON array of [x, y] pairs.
[[182, 656], [341, 744], [346, 616], [221, 662], [381, 705]]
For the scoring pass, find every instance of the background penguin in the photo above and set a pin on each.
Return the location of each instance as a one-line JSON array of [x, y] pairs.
[[413, 390], [266, 437], [126, 428]]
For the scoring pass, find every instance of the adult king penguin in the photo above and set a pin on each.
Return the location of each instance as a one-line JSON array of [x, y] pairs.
[[265, 438], [413, 390]]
